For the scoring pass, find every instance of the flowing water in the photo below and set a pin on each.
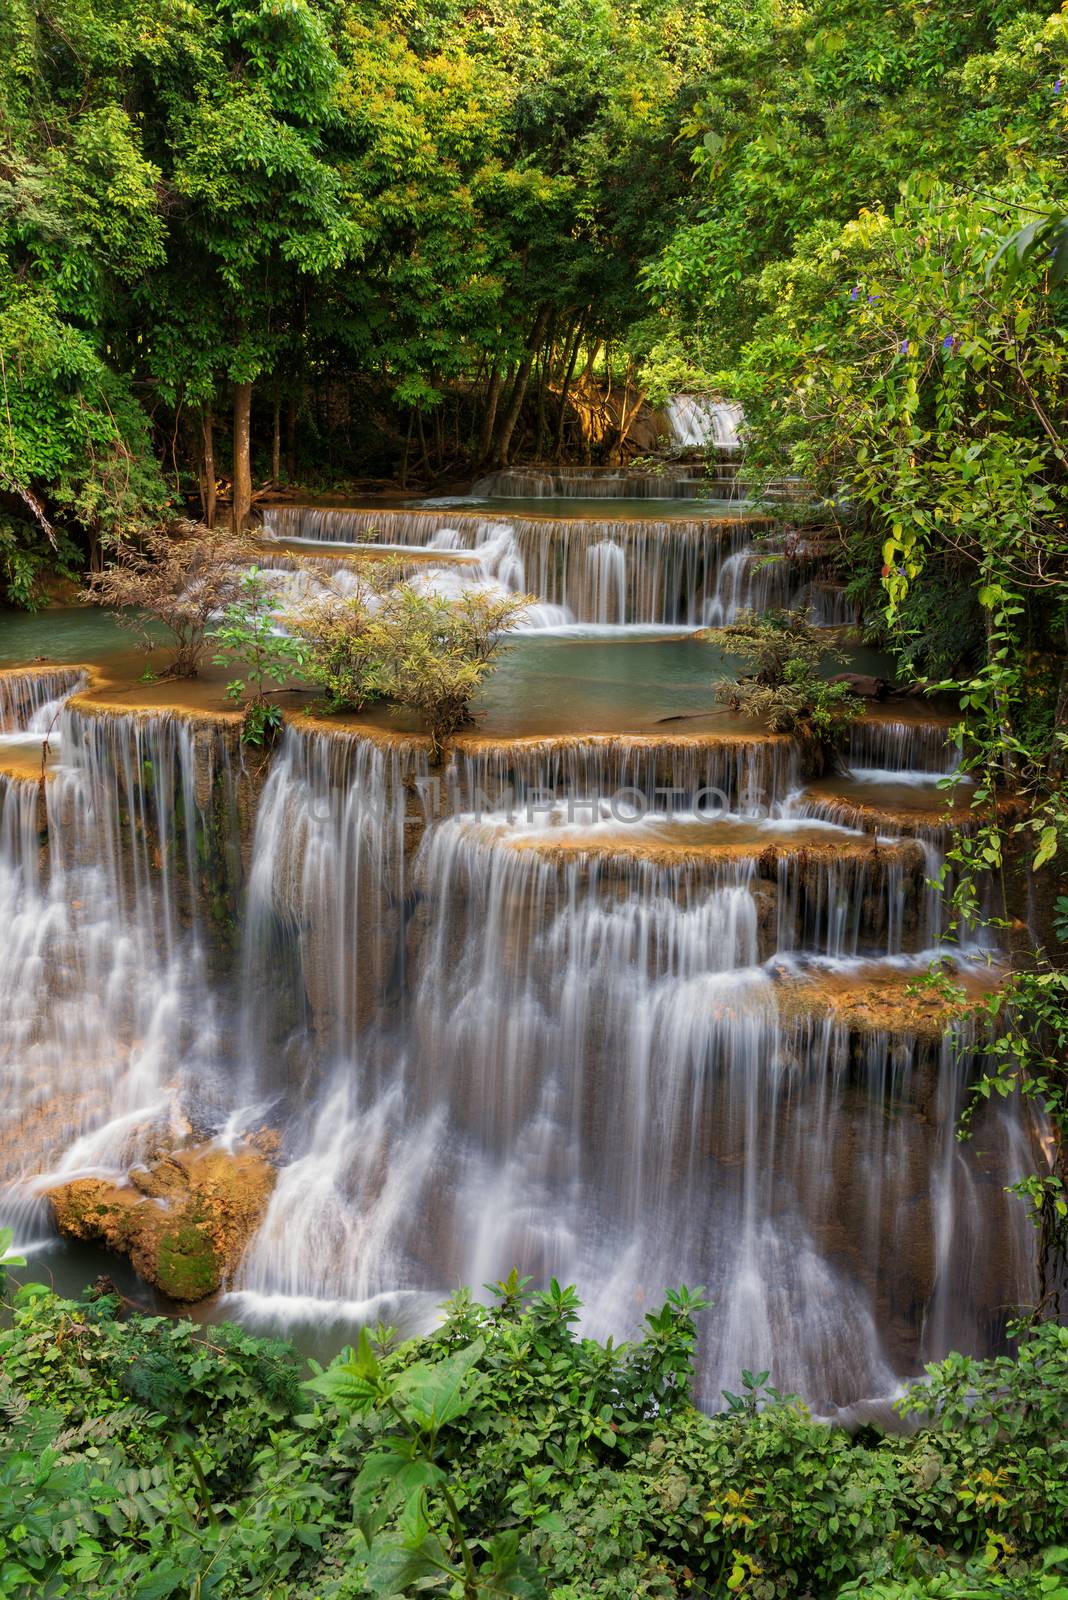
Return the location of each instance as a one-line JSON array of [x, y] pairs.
[[696, 422], [627, 569], [608, 997]]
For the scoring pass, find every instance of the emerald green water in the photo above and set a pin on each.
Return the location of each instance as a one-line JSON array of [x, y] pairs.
[[604, 681], [62, 634]]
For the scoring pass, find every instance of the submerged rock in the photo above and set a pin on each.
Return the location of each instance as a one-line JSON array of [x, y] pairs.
[[183, 1220], [862, 684]]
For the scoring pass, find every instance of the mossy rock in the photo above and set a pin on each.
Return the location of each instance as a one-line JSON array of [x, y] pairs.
[[183, 1219], [187, 1267]]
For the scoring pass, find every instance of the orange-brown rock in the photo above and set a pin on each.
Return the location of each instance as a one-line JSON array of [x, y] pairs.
[[183, 1220]]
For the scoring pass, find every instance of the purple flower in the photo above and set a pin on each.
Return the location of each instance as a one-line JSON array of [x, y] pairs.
[[948, 342], [1057, 86], [904, 347], [854, 291], [872, 299]]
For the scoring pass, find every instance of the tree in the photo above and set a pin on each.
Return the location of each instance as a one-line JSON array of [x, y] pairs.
[[175, 582]]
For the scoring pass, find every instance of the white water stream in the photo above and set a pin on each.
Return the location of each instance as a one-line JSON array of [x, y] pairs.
[[530, 1023]]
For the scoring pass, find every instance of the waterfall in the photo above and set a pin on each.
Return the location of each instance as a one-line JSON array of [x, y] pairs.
[[677, 482], [111, 1029], [31, 701], [898, 750], [601, 1048], [696, 572], [630, 1009], [695, 422]]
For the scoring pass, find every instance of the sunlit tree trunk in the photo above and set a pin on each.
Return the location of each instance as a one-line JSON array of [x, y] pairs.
[[242, 502], [544, 366]]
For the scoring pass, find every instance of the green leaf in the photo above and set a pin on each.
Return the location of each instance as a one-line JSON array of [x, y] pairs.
[[444, 1391], [1048, 841], [392, 1568]]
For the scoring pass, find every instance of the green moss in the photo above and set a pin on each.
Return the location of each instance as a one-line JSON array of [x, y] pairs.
[[187, 1267]]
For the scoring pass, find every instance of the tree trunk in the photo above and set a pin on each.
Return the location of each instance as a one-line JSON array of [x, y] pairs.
[[489, 413], [558, 443], [242, 501], [519, 389], [407, 451], [544, 366], [291, 438], [423, 457], [626, 419], [276, 438], [207, 466]]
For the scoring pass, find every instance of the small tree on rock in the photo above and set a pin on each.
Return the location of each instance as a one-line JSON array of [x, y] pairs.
[[180, 583]]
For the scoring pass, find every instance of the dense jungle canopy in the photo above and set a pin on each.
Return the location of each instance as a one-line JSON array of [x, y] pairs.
[[371, 237]]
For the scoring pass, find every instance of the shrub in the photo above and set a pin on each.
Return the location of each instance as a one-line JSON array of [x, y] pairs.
[[420, 652], [248, 638], [994, 1455], [348, 648], [503, 1453], [180, 583], [785, 689], [441, 650]]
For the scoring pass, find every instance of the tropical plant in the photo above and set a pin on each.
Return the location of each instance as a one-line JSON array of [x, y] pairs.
[[440, 652], [249, 637], [401, 1480], [175, 581], [785, 689], [502, 1454], [419, 651], [348, 645]]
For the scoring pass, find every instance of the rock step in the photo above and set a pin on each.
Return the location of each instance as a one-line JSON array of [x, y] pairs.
[[879, 997], [183, 1219]]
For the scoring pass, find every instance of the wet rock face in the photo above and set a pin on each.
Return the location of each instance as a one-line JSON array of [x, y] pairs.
[[183, 1220]]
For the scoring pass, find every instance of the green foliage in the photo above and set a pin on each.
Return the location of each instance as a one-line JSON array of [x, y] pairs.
[[74, 448], [440, 651], [786, 689], [502, 1453], [249, 638], [419, 651], [347, 650], [773, 642], [363, 201]]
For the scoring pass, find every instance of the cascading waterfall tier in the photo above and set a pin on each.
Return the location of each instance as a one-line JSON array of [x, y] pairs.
[[675, 481], [630, 1009], [620, 1051], [112, 1032], [696, 572], [31, 700]]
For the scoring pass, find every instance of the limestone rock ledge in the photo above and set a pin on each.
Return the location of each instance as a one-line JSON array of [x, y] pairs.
[[183, 1220]]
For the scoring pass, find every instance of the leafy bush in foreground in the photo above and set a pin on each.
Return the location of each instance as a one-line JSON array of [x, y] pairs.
[[178, 582], [502, 1454]]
